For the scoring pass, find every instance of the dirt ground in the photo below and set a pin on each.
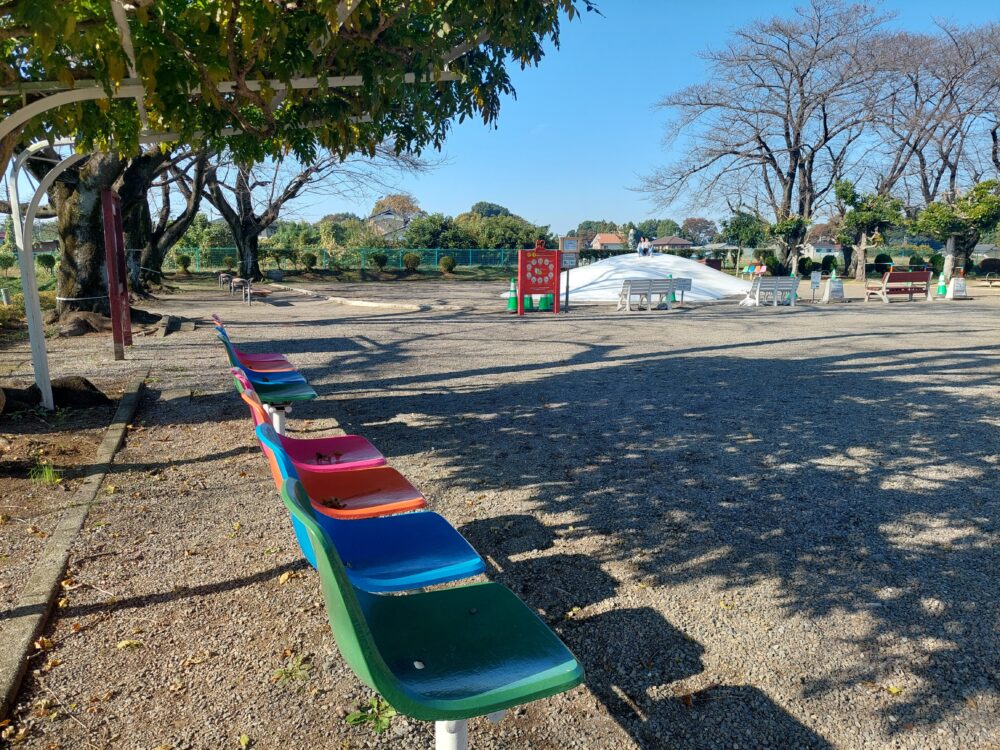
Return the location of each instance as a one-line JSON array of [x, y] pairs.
[[755, 528]]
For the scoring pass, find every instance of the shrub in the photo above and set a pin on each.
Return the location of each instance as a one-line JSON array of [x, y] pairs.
[[12, 315], [48, 262], [283, 254], [917, 261], [46, 300], [378, 261], [229, 262], [989, 265], [773, 266], [806, 266], [936, 262], [184, 261], [883, 262], [309, 260], [411, 261], [829, 263], [447, 264], [7, 261]]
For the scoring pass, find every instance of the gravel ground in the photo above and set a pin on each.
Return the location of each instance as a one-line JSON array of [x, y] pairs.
[[756, 528]]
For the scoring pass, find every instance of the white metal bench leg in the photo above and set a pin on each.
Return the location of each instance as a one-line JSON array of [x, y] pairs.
[[278, 417], [451, 735]]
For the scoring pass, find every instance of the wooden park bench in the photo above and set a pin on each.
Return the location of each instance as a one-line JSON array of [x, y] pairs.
[[643, 291], [775, 288], [910, 283]]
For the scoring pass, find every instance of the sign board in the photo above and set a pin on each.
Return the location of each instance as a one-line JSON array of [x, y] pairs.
[[834, 290], [538, 273], [957, 288], [569, 260], [814, 279], [569, 244]]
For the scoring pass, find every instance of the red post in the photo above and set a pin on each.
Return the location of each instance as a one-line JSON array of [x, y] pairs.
[[114, 262]]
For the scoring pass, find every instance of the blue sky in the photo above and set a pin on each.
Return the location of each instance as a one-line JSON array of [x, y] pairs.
[[583, 128]]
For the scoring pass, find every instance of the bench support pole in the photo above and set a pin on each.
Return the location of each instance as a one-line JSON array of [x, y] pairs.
[[451, 735], [278, 416]]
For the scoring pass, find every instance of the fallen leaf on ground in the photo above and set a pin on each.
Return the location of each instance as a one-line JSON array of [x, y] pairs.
[[893, 690], [44, 644], [129, 643], [244, 741], [288, 575], [63, 603]]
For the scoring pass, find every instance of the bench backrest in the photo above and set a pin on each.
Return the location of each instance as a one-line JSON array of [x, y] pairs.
[[906, 277], [777, 283]]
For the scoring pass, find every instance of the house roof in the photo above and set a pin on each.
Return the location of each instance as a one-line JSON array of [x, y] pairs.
[[671, 241], [607, 238]]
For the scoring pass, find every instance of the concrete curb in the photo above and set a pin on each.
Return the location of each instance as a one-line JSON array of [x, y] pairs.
[[402, 306], [27, 620]]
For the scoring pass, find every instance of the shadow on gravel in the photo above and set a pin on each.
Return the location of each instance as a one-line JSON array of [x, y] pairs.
[[857, 484]]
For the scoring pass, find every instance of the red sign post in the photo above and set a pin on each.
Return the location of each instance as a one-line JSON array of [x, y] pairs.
[[114, 262], [538, 272]]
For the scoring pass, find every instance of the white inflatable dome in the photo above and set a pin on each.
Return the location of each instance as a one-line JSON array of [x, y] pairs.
[[602, 281]]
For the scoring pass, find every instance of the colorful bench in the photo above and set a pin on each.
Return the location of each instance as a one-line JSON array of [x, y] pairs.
[[386, 553], [443, 656]]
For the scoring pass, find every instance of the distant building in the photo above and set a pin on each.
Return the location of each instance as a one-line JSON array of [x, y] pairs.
[[985, 250], [821, 247], [390, 224], [670, 242], [607, 241]]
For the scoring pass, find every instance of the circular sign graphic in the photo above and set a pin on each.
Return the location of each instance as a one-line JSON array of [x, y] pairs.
[[540, 271]]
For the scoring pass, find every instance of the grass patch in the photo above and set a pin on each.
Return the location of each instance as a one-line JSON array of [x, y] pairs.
[[44, 473], [296, 670]]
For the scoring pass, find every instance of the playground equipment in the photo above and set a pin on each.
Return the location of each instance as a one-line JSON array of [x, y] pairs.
[[386, 553], [444, 656], [465, 651]]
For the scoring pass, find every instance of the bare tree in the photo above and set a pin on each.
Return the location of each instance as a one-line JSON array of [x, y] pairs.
[[151, 170], [787, 100], [250, 198]]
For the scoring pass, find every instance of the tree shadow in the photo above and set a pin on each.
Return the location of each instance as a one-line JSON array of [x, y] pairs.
[[857, 485]]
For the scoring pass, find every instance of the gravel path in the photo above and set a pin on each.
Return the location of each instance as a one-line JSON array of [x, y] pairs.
[[756, 528]]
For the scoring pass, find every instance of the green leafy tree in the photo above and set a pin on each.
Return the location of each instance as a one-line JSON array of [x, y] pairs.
[[868, 216], [744, 230], [487, 209], [962, 223], [651, 228], [594, 226], [423, 65], [789, 233], [7, 261]]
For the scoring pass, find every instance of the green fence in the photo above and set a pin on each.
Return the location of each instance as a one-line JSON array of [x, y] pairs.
[[214, 258], [431, 257]]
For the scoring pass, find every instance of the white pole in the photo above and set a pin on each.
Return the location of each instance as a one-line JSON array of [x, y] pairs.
[[278, 419], [451, 735]]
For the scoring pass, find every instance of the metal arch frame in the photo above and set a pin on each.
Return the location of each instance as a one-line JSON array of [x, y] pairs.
[[23, 230]]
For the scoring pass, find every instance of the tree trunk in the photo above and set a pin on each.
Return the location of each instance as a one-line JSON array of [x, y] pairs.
[[949, 258], [859, 257], [137, 221], [247, 242], [82, 282]]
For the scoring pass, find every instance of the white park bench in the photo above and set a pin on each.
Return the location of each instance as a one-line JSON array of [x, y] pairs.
[[991, 277], [775, 288], [643, 290]]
